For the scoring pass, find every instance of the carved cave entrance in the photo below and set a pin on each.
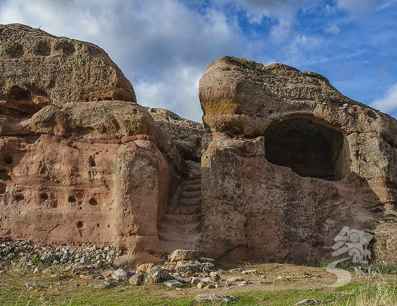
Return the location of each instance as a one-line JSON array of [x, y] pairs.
[[310, 148]]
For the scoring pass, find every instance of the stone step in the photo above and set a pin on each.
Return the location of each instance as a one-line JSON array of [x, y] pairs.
[[189, 201], [194, 174], [179, 224], [193, 165], [192, 187], [168, 246], [192, 181], [171, 229], [180, 227], [195, 194], [186, 209], [183, 218], [180, 237]]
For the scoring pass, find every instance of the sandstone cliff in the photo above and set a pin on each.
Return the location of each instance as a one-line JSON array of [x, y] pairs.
[[80, 161], [290, 163], [283, 163]]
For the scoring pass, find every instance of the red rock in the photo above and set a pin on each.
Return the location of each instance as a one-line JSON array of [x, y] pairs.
[[284, 163]]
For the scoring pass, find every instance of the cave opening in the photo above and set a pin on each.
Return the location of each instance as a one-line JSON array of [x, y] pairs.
[[307, 146], [18, 93]]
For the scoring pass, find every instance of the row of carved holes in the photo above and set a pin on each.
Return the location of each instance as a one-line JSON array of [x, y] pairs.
[[44, 197], [42, 48], [92, 201], [80, 224]]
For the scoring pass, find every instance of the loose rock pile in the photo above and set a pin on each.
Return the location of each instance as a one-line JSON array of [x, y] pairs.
[[26, 254], [182, 269]]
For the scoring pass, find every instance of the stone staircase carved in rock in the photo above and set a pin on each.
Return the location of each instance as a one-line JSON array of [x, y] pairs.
[[180, 226]]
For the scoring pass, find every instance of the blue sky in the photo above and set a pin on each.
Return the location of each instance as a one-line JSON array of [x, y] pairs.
[[164, 46]]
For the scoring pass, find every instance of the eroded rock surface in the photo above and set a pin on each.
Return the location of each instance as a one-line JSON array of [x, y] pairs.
[[80, 161], [94, 180], [185, 134], [38, 68], [284, 161], [290, 163]]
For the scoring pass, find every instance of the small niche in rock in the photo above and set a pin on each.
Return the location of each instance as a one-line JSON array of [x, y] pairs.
[[79, 224], [93, 202], [42, 48], [3, 188], [71, 199], [18, 93], [13, 50], [44, 196], [8, 159], [91, 161], [19, 197], [309, 147], [93, 51], [65, 47], [4, 174]]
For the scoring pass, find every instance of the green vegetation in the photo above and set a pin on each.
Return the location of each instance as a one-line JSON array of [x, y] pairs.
[[68, 290]]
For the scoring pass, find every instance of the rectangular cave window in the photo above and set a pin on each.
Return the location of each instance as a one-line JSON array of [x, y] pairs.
[[309, 148]]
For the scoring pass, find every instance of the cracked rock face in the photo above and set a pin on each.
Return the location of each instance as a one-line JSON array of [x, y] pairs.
[[184, 133], [292, 161]]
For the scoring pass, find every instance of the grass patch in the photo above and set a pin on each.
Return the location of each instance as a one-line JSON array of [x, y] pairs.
[[67, 290]]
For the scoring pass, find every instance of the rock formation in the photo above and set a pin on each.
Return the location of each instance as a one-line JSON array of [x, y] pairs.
[[76, 164], [285, 160], [38, 68], [291, 161]]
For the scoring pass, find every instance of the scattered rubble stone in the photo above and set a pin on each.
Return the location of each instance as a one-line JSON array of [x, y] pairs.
[[122, 261], [306, 302], [183, 255], [119, 275], [105, 285], [173, 283], [191, 267], [96, 265], [26, 254], [145, 268], [137, 279], [158, 275], [211, 298], [215, 276], [34, 285]]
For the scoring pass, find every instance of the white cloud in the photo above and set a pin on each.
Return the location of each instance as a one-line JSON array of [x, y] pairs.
[[388, 103], [282, 11], [282, 30], [162, 93], [386, 5], [162, 46], [333, 29], [357, 6], [298, 51], [257, 9]]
